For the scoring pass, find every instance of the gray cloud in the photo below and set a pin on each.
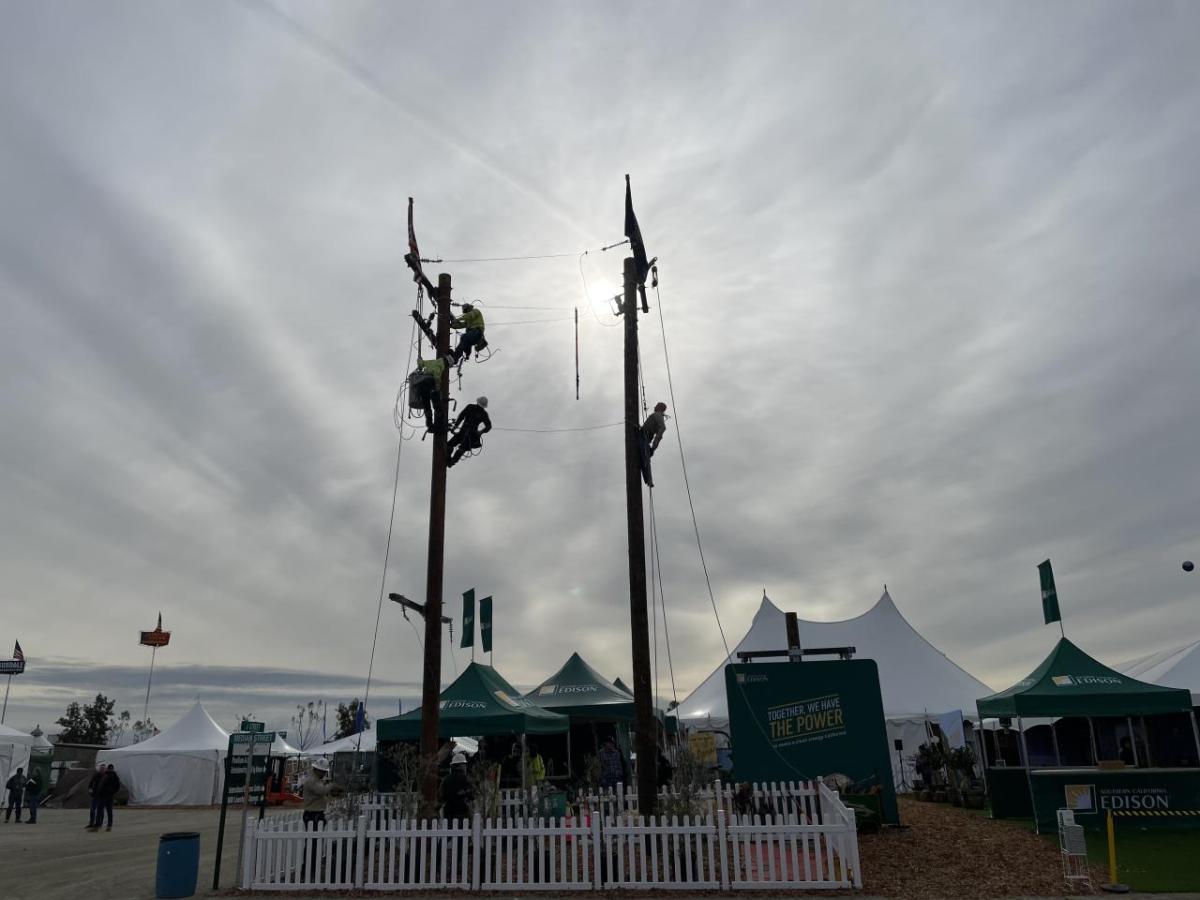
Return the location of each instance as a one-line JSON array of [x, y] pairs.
[[927, 278]]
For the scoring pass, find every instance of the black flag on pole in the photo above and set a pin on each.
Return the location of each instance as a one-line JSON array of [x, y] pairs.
[[634, 233]]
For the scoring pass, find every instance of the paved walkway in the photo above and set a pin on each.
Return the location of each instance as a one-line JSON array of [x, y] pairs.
[[56, 859]]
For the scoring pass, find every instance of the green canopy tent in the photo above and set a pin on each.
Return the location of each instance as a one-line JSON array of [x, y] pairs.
[[1070, 683], [479, 702], [618, 683], [579, 691]]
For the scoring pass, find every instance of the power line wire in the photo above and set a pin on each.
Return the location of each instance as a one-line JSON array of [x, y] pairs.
[[388, 549], [683, 465], [559, 430]]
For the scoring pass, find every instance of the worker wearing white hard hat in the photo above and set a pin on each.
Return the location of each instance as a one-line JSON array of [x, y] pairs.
[[456, 793], [317, 789]]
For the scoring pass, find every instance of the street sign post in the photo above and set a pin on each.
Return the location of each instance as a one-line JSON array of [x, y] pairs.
[[246, 765], [251, 726]]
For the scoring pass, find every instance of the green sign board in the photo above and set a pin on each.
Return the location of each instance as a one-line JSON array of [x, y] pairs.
[[254, 727], [1154, 797], [239, 764], [799, 721]]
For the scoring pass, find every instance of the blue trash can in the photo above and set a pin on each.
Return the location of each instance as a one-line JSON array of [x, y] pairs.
[[178, 864]]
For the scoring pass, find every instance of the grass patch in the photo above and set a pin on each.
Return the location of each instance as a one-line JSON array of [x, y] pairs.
[[1151, 859]]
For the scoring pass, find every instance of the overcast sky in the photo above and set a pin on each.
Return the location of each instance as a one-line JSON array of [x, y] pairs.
[[929, 281]]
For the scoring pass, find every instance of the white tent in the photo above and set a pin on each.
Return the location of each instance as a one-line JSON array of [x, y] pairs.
[[344, 745], [280, 747], [915, 677], [181, 766], [14, 752], [1179, 668]]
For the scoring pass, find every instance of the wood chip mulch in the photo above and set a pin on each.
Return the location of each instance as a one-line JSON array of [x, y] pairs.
[[951, 852]]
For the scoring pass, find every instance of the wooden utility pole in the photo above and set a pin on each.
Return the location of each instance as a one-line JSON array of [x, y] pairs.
[[643, 698], [431, 683]]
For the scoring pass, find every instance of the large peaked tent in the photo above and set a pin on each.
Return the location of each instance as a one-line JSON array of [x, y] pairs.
[[181, 766], [915, 677], [479, 702], [1178, 667], [578, 690]]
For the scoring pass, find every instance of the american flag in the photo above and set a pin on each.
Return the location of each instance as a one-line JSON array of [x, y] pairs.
[[17, 653], [418, 274]]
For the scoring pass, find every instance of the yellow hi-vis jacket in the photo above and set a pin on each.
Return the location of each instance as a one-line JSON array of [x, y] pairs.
[[434, 367], [472, 319]]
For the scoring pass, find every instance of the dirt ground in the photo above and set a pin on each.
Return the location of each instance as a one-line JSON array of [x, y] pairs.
[[946, 852]]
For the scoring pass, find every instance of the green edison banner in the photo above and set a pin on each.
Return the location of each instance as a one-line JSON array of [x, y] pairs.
[[793, 721]]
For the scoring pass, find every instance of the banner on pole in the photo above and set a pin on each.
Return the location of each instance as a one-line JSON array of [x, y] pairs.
[[1049, 595], [485, 624], [157, 637], [16, 665], [468, 619]]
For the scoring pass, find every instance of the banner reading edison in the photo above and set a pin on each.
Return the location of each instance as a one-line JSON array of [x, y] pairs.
[[798, 721]]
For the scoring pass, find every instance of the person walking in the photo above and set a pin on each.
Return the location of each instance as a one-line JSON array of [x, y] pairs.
[[16, 790], [456, 790], [317, 789], [106, 791], [33, 791]]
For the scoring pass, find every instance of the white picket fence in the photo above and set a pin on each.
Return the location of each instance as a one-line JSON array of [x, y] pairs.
[[815, 845]]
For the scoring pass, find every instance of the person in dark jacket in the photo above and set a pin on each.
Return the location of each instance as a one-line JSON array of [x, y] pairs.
[[106, 790], [456, 790], [33, 792], [649, 436], [467, 430], [93, 785], [16, 790], [613, 770]]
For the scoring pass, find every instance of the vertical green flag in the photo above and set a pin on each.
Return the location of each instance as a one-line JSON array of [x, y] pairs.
[[485, 624], [1049, 594], [468, 619]]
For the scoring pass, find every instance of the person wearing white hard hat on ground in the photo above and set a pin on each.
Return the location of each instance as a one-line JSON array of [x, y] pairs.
[[467, 430], [456, 790], [317, 789]]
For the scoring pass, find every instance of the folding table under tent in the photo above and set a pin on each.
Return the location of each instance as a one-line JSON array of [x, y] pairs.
[[1070, 683], [181, 766]]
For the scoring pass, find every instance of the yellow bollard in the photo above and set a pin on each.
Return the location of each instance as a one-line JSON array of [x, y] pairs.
[[1113, 886]]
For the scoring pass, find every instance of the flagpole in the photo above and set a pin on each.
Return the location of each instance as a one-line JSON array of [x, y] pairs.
[[146, 708], [7, 688]]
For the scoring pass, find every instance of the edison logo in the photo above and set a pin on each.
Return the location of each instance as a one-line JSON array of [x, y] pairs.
[[1080, 797]]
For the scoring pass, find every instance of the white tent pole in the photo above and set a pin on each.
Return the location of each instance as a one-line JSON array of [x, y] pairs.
[[146, 708], [1054, 739], [1092, 739], [7, 688], [1028, 773]]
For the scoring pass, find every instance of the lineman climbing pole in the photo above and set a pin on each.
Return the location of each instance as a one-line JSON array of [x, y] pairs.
[[643, 701], [431, 682]]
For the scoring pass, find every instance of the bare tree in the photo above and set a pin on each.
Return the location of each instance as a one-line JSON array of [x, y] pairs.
[[307, 722]]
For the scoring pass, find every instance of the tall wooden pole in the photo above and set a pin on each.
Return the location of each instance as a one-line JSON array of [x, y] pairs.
[[643, 698], [431, 683]]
